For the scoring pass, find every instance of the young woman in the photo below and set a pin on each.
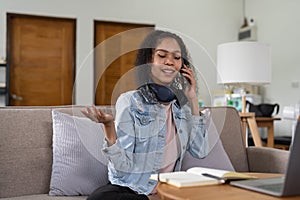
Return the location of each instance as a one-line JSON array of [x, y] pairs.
[[154, 125]]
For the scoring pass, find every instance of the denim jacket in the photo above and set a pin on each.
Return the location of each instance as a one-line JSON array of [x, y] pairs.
[[141, 128]]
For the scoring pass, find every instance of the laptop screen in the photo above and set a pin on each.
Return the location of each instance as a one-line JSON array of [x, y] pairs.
[[292, 178]]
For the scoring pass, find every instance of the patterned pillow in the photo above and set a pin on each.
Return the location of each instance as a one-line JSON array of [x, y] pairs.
[[78, 164]]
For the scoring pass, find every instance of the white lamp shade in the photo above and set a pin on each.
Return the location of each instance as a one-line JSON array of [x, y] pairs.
[[244, 62]]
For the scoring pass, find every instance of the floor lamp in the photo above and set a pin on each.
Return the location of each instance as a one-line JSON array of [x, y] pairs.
[[240, 64]]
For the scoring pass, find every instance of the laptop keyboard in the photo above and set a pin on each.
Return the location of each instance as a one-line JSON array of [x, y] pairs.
[[273, 187]]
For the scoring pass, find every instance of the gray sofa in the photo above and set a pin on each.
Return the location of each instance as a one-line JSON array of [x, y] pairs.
[[26, 151]]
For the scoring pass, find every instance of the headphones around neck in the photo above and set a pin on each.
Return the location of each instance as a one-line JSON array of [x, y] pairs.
[[162, 93]]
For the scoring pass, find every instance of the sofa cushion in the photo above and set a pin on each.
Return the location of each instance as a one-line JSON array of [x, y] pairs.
[[78, 164], [25, 151], [45, 197], [228, 126], [217, 157], [228, 151]]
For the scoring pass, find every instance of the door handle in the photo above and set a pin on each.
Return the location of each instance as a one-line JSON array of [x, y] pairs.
[[16, 97]]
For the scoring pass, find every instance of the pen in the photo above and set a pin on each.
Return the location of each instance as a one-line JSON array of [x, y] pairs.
[[214, 177]]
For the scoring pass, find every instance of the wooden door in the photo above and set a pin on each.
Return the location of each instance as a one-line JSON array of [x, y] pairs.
[[116, 45], [41, 59]]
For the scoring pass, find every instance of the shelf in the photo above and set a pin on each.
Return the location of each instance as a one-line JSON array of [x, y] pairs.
[[3, 85], [2, 91]]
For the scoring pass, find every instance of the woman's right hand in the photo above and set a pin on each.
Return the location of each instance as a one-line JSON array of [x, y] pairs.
[[97, 115]]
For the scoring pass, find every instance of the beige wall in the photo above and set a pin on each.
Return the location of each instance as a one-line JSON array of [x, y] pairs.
[[277, 24], [203, 23]]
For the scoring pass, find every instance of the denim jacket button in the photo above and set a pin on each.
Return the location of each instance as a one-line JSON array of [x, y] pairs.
[[144, 120], [180, 131]]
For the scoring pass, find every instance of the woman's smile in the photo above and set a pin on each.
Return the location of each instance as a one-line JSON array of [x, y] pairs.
[[168, 71]]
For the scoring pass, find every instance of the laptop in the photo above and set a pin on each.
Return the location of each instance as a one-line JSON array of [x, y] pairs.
[[287, 185]]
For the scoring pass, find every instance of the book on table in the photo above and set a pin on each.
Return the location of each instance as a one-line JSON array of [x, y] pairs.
[[197, 176]]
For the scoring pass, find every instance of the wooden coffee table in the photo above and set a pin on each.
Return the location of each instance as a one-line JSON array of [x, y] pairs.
[[223, 192]]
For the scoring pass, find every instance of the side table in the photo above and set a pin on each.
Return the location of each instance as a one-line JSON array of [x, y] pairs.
[[267, 122]]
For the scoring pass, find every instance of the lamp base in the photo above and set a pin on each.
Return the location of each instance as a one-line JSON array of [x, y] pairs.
[[248, 120], [243, 104]]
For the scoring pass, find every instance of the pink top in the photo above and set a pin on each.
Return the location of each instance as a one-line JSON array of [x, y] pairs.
[[171, 150]]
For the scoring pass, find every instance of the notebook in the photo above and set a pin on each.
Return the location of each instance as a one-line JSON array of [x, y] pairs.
[[287, 185]]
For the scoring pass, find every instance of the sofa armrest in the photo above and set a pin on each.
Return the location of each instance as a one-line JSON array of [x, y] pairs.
[[267, 160]]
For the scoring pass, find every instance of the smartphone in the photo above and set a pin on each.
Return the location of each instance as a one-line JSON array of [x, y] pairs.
[[184, 80]]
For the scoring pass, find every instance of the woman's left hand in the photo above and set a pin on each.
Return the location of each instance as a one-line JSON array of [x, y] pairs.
[[190, 89]]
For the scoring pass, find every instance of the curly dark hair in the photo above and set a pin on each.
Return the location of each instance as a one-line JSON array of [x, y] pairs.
[[145, 53]]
